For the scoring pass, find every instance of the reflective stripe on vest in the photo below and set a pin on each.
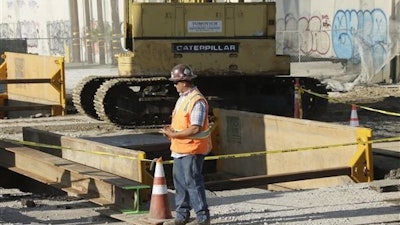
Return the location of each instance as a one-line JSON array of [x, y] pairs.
[[203, 134]]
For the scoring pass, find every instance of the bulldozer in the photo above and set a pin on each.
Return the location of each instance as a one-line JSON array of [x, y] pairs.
[[230, 46]]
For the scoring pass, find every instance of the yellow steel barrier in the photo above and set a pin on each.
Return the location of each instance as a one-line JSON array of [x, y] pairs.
[[244, 134], [34, 79], [362, 169], [3, 101]]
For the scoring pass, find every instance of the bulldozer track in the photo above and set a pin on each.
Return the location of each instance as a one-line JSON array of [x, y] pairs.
[[127, 102], [83, 94], [132, 102]]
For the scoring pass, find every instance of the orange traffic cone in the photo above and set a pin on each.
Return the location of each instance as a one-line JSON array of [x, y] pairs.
[[353, 117], [159, 204]]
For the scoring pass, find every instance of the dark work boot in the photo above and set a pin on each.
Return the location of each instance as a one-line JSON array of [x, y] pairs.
[[195, 222], [175, 222]]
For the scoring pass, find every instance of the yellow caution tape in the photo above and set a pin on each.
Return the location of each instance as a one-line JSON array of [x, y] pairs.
[[360, 106], [250, 154], [242, 155], [379, 111], [35, 144], [382, 140], [227, 156]]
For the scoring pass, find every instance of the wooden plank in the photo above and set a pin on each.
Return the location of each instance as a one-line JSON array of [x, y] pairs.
[[74, 178], [112, 163], [129, 218], [134, 167]]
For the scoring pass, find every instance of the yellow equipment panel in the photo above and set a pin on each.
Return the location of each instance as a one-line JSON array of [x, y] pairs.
[[202, 20], [154, 58], [214, 38]]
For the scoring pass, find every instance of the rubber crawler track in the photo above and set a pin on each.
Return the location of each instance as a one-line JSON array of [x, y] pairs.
[[132, 102]]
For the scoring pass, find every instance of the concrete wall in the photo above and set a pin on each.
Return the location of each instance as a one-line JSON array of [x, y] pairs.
[[244, 132], [37, 21], [46, 24], [365, 33]]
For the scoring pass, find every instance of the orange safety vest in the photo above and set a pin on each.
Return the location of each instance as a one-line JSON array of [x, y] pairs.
[[181, 121]]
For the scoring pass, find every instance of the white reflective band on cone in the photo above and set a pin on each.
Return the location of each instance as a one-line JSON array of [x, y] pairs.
[[159, 170], [159, 190]]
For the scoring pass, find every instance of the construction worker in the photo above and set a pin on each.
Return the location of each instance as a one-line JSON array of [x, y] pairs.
[[189, 118]]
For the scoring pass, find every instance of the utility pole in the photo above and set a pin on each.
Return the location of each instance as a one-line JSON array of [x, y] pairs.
[[76, 51], [128, 43], [116, 30], [395, 62], [88, 31], [101, 31]]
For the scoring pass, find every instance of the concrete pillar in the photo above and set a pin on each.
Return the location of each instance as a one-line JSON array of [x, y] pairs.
[[76, 51]]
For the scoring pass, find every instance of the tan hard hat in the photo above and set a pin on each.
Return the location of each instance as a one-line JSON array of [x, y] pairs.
[[182, 72]]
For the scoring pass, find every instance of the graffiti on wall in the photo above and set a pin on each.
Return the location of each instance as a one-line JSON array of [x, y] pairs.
[[22, 29], [59, 36], [355, 33], [22, 3], [29, 30], [23, 19], [351, 34], [25, 27], [6, 31], [305, 35], [314, 35]]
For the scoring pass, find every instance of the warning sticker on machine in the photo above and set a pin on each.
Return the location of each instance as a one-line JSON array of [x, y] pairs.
[[205, 47], [205, 26]]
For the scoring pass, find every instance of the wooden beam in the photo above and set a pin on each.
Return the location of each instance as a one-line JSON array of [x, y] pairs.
[[76, 179]]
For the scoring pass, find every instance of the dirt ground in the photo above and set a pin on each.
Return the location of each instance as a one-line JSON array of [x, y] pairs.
[[356, 204]]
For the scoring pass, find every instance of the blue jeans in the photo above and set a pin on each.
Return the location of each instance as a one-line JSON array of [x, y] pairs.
[[189, 186]]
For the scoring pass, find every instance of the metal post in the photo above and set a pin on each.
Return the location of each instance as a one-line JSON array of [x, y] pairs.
[[297, 99], [88, 32], [101, 30], [76, 51]]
